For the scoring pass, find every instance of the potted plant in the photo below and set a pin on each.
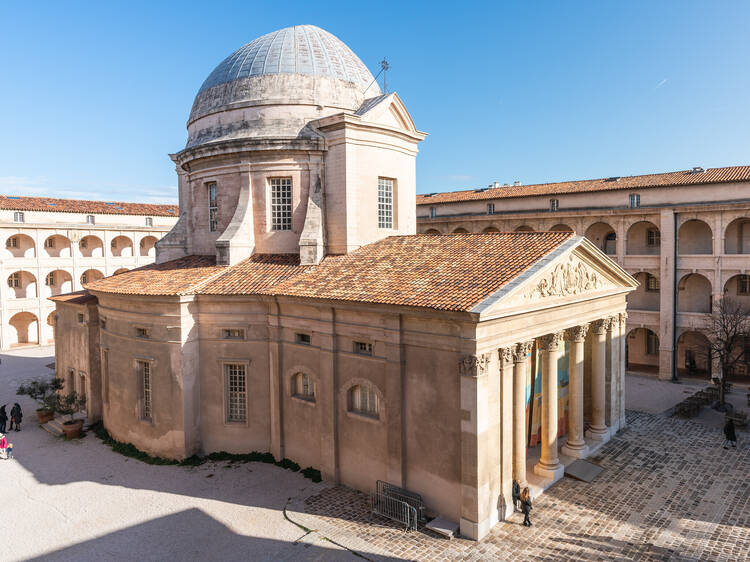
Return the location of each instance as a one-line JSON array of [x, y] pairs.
[[68, 405], [44, 392]]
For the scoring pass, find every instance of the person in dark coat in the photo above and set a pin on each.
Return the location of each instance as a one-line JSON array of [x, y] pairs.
[[516, 495], [526, 506], [16, 416], [729, 434], [3, 418]]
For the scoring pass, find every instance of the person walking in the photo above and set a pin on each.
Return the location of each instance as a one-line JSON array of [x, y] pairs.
[[3, 418], [729, 434], [16, 415], [526, 506], [3, 445], [516, 495]]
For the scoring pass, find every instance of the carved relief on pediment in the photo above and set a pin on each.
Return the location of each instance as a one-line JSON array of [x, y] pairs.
[[571, 277]]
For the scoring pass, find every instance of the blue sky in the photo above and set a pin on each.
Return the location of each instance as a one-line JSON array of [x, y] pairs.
[[96, 94]]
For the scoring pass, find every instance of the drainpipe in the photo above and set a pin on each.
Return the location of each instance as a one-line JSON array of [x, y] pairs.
[[674, 301]]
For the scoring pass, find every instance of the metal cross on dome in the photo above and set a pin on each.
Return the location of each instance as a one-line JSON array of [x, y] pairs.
[[384, 68]]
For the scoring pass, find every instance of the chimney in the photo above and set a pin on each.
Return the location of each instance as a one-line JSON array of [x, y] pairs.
[[516, 182]]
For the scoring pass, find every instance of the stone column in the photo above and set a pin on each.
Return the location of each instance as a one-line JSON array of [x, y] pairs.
[[507, 429], [668, 296], [612, 402], [520, 351], [598, 429], [549, 466], [623, 359], [576, 445]]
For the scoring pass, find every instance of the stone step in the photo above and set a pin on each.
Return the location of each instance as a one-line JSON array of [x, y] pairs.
[[55, 425]]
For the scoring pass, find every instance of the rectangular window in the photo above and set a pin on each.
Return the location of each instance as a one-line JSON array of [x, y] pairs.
[[233, 334], [50, 279], [490, 208], [652, 344], [385, 203], [281, 203], [18, 217], [652, 284], [213, 207], [149, 221], [304, 339], [635, 200], [49, 242], [362, 348], [743, 285], [554, 204], [14, 280], [90, 219], [653, 237], [81, 318], [144, 333], [433, 212], [234, 374], [11, 242], [144, 374]]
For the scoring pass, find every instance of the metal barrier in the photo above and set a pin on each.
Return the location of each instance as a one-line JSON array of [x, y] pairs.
[[394, 509], [414, 500]]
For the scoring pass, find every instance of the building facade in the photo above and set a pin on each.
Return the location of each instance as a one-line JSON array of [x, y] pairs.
[[294, 309], [685, 236], [54, 246]]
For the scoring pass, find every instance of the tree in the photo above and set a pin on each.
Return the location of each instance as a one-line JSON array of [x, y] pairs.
[[43, 391], [726, 330], [69, 404]]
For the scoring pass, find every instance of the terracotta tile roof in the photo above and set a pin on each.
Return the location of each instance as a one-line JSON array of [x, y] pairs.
[[183, 276], [668, 179], [258, 274], [51, 204], [78, 297], [448, 272]]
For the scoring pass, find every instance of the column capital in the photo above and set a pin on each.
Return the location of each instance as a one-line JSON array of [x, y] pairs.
[[521, 350], [601, 326], [577, 333], [551, 342], [505, 354], [474, 365], [623, 318]]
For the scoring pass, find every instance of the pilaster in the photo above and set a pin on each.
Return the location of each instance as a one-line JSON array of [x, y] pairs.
[[549, 466]]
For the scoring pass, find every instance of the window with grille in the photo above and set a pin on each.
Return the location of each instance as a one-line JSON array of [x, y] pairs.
[[14, 280], [653, 237], [363, 400], [652, 344], [362, 348], [18, 217], [281, 203], [236, 392], [490, 208], [84, 278], [233, 334], [149, 221], [12, 242], [304, 387], [433, 212], [743, 285], [304, 339], [49, 243], [50, 279], [213, 207], [652, 283], [635, 200], [144, 373], [385, 203], [554, 204]]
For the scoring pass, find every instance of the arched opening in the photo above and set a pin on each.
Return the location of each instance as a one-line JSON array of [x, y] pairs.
[[303, 387], [57, 246], [460, 230], [22, 285], [57, 282], [738, 287], [25, 329], [642, 350], [694, 237], [694, 294], [490, 229], [20, 246], [693, 353], [91, 247], [737, 237], [91, 275], [148, 246], [561, 228], [644, 239], [648, 295], [52, 322], [524, 228], [432, 231], [121, 246], [603, 236], [363, 400]]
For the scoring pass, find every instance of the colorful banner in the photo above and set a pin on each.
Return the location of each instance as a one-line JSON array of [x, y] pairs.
[[534, 402]]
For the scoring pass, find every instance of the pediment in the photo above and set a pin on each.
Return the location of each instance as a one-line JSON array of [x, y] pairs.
[[389, 110], [577, 272]]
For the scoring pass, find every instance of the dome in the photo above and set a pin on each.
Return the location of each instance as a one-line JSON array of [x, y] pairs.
[[303, 64]]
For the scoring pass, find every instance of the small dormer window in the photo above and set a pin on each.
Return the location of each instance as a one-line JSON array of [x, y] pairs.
[[554, 204], [635, 200]]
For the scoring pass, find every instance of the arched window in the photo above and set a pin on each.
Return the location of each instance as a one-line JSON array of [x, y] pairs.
[[363, 400], [303, 387]]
